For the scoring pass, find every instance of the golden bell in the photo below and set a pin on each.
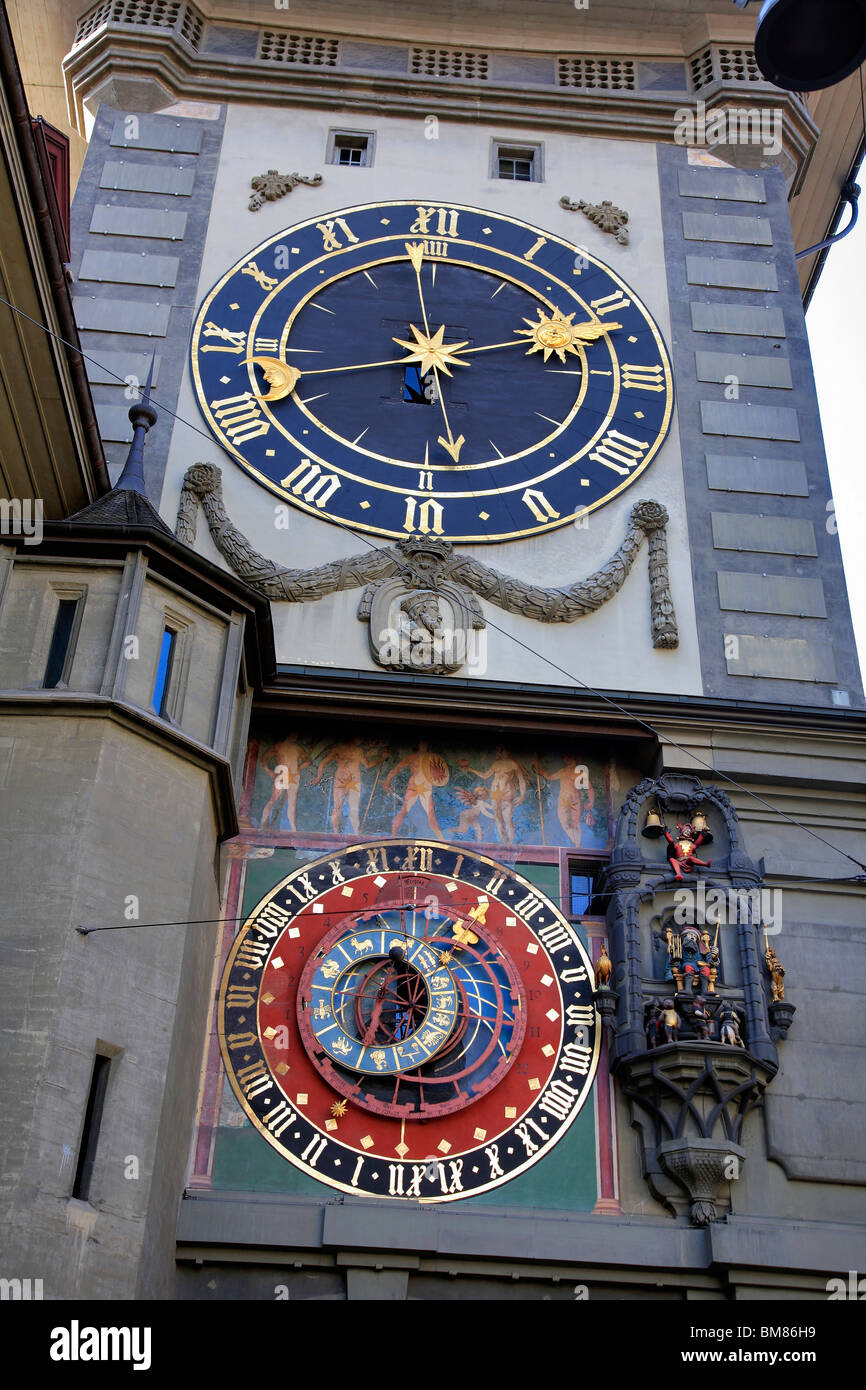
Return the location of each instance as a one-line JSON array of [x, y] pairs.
[[699, 825], [653, 828]]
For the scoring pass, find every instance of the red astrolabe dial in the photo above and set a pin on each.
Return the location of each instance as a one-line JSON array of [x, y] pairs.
[[406, 1019]]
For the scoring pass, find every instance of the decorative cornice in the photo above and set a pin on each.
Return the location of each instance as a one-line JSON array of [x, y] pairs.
[[163, 60]]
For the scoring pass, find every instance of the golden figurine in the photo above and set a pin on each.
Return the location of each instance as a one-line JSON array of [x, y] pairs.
[[670, 1021], [775, 970], [603, 967]]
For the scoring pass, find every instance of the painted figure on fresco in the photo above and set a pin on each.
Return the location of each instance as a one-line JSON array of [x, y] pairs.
[[426, 771], [507, 790], [282, 762], [349, 758], [576, 796], [475, 805]]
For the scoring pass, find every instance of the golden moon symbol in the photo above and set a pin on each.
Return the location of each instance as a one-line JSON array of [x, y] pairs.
[[281, 378]]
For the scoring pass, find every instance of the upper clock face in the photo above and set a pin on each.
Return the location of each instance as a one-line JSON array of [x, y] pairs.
[[412, 368], [401, 1019]]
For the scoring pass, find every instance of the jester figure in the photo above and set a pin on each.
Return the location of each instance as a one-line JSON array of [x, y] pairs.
[[681, 851]]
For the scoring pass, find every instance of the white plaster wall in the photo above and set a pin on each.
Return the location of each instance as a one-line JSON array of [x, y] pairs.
[[611, 649]]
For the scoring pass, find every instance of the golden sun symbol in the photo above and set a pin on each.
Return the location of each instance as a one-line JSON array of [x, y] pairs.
[[556, 333], [339, 1108]]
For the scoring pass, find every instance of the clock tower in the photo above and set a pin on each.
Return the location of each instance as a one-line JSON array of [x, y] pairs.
[[480, 355]]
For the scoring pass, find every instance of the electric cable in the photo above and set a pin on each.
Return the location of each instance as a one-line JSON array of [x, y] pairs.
[[641, 723]]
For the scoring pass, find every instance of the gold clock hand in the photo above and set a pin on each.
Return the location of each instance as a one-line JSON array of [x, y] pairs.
[[433, 351]]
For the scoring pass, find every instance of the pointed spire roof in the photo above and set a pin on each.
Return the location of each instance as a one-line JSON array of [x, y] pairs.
[[127, 504]]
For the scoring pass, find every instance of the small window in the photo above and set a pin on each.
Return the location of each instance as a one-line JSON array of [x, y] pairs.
[[92, 1122], [583, 888], [520, 164], [59, 653], [351, 148], [418, 389], [163, 671]]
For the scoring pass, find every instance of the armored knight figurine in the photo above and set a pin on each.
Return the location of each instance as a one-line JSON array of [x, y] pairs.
[[681, 850], [776, 973]]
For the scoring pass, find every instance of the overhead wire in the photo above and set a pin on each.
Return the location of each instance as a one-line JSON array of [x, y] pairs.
[[664, 739]]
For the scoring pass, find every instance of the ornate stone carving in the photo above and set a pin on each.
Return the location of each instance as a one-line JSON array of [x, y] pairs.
[[689, 1101], [267, 188], [431, 564], [415, 628], [605, 215], [695, 1043]]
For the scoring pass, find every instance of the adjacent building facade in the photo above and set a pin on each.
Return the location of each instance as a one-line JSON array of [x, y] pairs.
[[465, 746]]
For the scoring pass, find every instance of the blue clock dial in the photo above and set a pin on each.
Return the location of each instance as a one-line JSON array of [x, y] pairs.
[[411, 368]]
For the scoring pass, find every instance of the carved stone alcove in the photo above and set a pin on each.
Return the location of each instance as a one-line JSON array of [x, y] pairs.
[[693, 1043]]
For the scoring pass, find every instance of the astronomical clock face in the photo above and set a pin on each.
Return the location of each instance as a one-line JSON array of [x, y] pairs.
[[413, 368], [401, 1019]]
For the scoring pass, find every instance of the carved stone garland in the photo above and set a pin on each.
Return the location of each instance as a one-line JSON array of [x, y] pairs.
[[431, 564]]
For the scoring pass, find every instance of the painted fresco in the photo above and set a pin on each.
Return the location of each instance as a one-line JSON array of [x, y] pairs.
[[483, 794]]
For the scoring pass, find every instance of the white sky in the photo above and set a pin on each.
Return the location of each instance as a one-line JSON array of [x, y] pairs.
[[835, 323]]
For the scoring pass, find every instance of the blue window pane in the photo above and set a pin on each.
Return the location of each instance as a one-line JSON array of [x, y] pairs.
[[581, 893], [163, 670]]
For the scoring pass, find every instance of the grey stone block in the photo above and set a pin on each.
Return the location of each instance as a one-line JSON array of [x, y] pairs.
[[527, 68], [782, 658], [748, 320], [748, 369], [240, 43], [138, 222], [770, 535], [772, 593], [114, 422], [781, 477], [749, 421], [112, 368], [126, 268], [662, 77], [717, 226], [373, 57], [147, 178], [719, 183], [129, 315], [156, 133], [722, 273]]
